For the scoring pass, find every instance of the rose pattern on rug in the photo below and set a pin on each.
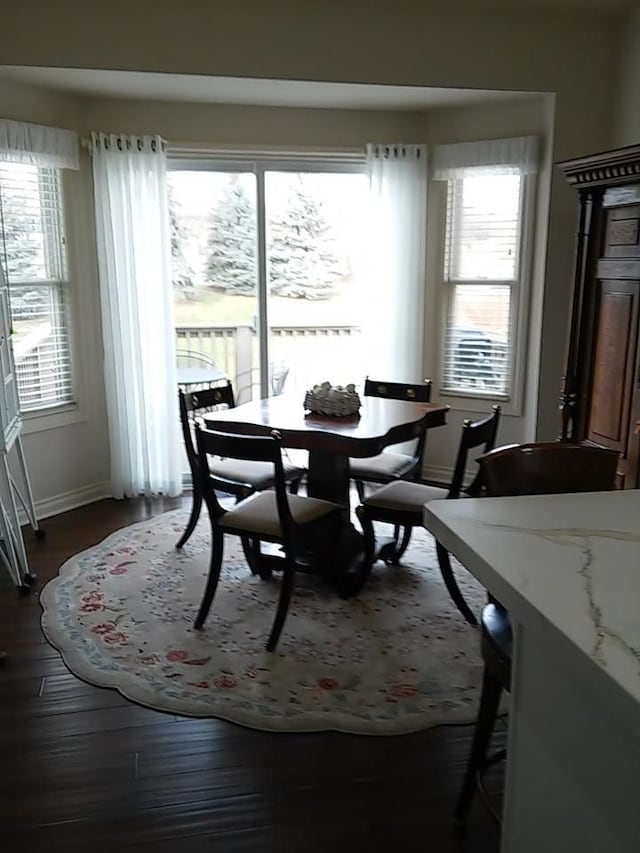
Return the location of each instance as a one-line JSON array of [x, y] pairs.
[[397, 658]]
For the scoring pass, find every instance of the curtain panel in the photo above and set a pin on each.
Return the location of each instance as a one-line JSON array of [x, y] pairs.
[[394, 275], [134, 259]]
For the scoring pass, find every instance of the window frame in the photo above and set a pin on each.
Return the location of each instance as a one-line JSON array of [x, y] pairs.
[[70, 411], [463, 400], [258, 163]]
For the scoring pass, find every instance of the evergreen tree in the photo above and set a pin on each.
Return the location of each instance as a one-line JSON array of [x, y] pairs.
[[231, 263], [20, 233], [182, 274], [302, 258]]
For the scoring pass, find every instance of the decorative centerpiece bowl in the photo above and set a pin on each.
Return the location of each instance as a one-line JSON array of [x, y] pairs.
[[338, 401]]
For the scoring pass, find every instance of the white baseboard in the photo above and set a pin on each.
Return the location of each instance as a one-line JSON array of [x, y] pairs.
[[69, 500], [437, 473], [443, 475]]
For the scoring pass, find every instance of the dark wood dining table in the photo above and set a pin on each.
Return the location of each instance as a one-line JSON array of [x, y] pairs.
[[330, 442]]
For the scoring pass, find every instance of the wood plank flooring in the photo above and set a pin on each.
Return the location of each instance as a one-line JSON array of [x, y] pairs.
[[83, 769]]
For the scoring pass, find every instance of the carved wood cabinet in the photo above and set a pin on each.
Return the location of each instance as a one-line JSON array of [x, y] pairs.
[[600, 401]]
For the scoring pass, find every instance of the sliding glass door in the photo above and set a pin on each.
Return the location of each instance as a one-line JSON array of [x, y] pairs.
[[265, 261], [213, 221]]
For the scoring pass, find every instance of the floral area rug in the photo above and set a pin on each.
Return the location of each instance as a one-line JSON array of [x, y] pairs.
[[397, 658]]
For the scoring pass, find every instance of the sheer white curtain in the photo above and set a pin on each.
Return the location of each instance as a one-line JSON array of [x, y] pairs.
[[134, 260], [393, 289]]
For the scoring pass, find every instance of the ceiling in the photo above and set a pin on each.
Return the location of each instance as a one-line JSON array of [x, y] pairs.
[[603, 8], [244, 91]]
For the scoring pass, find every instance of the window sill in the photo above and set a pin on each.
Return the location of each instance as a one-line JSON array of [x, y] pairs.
[[40, 420], [479, 403]]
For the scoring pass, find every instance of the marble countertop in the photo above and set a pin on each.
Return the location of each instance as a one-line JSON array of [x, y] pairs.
[[567, 561]]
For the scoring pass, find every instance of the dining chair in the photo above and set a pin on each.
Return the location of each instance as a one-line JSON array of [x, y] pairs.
[[237, 477], [524, 469], [388, 466], [296, 523], [401, 503]]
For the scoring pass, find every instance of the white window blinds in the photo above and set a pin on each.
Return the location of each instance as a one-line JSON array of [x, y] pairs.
[[483, 267], [33, 255]]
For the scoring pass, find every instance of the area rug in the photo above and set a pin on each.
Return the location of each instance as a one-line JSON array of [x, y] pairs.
[[395, 659]]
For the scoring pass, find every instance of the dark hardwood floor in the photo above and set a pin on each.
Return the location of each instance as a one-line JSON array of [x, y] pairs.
[[83, 769]]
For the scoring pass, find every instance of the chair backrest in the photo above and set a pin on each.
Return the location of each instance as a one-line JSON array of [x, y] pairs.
[[192, 358], [415, 393], [547, 468], [190, 404], [480, 433], [262, 448]]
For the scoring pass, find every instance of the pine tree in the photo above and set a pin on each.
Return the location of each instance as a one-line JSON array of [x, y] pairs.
[[231, 264], [20, 226], [182, 274], [302, 258]]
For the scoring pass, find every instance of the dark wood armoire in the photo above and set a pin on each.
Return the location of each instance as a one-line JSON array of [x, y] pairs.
[[600, 401]]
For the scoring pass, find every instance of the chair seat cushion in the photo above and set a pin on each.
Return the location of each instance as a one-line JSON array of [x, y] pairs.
[[258, 514], [384, 466], [403, 496], [258, 475]]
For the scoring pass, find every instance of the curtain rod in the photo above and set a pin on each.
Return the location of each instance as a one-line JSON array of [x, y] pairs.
[[87, 144], [196, 149]]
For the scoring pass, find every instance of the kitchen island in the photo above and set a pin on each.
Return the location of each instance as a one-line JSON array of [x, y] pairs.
[[567, 568]]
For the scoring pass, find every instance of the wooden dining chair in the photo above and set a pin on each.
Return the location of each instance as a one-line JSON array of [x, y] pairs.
[[234, 476], [294, 522], [402, 503], [388, 466], [525, 469]]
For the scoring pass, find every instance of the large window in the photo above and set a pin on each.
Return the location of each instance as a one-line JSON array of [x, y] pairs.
[[33, 256], [481, 271], [485, 269], [264, 270]]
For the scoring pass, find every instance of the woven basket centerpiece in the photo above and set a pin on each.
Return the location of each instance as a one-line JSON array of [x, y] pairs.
[[339, 401]]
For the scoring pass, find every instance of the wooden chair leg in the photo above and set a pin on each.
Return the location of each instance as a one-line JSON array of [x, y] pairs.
[[489, 703], [403, 543], [369, 536], [248, 547], [294, 485], [286, 588], [452, 587], [215, 564], [196, 507]]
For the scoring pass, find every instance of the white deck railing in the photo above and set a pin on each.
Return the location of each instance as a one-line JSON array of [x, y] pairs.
[[300, 354]]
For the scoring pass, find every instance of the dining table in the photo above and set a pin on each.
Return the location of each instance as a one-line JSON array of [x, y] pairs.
[[331, 442], [567, 568]]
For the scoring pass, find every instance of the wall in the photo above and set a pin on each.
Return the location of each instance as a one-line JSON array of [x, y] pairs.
[[68, 463], [357, 41], [342, 129], [237, 126], [524, 116], [627, 103]]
